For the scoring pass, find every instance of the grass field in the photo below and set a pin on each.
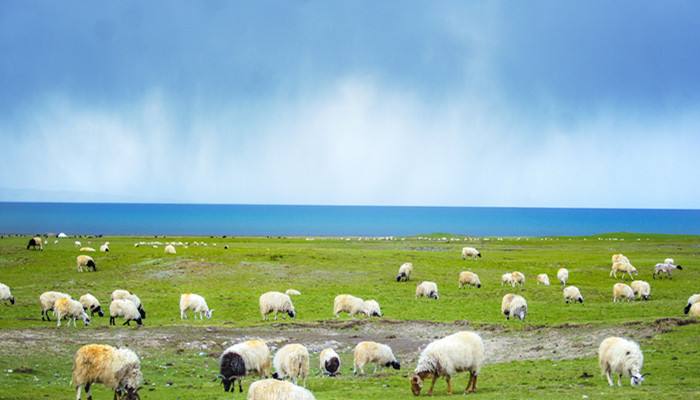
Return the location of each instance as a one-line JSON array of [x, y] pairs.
[[551, 354]]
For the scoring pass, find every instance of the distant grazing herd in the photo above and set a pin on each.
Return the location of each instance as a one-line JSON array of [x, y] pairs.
[[119, 369]]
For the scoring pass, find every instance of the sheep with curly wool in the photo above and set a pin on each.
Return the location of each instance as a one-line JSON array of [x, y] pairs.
[[617, 355], [329, 362], [122, 308], [405, 271], [641, 289], [514, 305], [291, 361], [34, 242], [240, 359], [47, 301], [427, 289], [518, 278], [91, 304], [276, 302], [272, 389], [469, 278], [196, 303], [666, 268], [563, 275], [72, 309], [118, 369], [572, 294], [6, 294], [625, 268], [461, 351], [543, 279], [373, 353], [349, 304], [87, 262], [692, 300], [121, 294], [470, 252], [622, 291]]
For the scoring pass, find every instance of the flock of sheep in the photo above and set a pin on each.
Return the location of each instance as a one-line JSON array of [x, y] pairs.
[[119, 369]]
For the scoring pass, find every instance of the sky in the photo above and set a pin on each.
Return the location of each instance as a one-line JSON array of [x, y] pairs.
[[591, 104]]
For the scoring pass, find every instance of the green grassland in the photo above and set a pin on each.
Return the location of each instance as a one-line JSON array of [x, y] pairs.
[[180, 358]]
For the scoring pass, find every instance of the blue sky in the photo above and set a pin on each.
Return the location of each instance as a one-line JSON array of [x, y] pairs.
[[533, 104]]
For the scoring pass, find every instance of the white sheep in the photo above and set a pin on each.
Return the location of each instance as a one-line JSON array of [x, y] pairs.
[[65, 307], [624, 291], [118, 369], [427, 289], [518, 278], [104, 248], [276, 302], [292, 361], [122, 308], [6, 294], [694, 299], [77, 244], [625, 268], [620, 258], [405, 271], [373, 308], [252, 356], [461, 351], [470, 252], [47, 301], [196, 303], [694, 310], [87, 249], [170, 249], [470, 278], [375, 353], [506, 279], [34, 242], [669, 261], [514, 305], [665, 267], [292, 292], [120, 294], [563, 275], [91, 304], [329, 362], [572, 294], [641, 289], [543, 279], [272, 389], [349, 304], [617, 355], [87, 262]]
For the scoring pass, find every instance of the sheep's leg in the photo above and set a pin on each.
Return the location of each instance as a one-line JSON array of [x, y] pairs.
[[432, 385], [619, 380], [449, 386], [469, 384], [88, 387], [375, 368], [77, 392], [275, 315], [183, 315], [607, 375]]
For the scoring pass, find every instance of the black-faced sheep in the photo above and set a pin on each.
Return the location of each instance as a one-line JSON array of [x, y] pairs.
[[349, 304], [666, 268], [572, 294], [514, 305], [469, 278], [87, 262], [405, 271], [376, 353], [461, 351], [276, 302], [5, 294], [241, 359], [118, 369], [272, 389], [91, 304], [126, 309], [65, 307], [617, 355], [196, 303], [34, 242], [427, 289], [373, 308], [329, 362], [691, 301], [470, 252], [641, 289], [120, 294], [291, 361], [563, 275]]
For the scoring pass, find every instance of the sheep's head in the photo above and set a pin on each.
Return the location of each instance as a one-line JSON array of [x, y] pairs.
[[292, 313], [12, 299], [376, 314], [521, 313], [679, 267], [208, 313], [580, 299], [417, 384], [229, 383], [131, 394], [434, 295], [478, 285], [91, 264], [142, 311], [637, 379], [398, 278], [395, 364]]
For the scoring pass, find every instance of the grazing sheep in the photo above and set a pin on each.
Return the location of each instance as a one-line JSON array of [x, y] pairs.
[[461, 351], [349, 304], [292, 292], [621, 290], [518, 278], [276, 302], [34, 242], [506, 279], [470, 252], [170, 249], [641, 289], [47, 301], [120, 294], [514, 305], [77, 244], [563, 275], [427, 289], [196, 303], [543, 279], [691, 301], [329, 362], [664, 267], [467, 277], [271, 389], [5, 294], [669, 261], [617, 355], [241, 359], [572, 294], [694, 310], [65, 307], [376, 353], [625, 268], [373, 308], [291, 361], [91, 304], [104, 248], [122, 308], [405, 271], [619, 258], [118, 369], [87, 262]]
